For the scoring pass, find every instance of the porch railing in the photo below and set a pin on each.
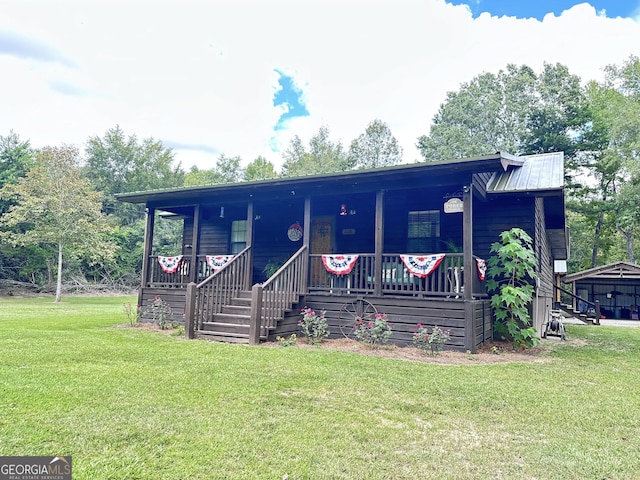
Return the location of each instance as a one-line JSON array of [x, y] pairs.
[[446, 280], [181, 277], [592, 308], [213, 293], [272, 298]]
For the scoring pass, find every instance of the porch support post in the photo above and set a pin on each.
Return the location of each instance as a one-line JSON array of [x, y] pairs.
[[379, 242], [249, 240], [256, 314], [306, 228], [195, 244], [467, 243], [190, 311], [148, 243], [469, 271], [306, 242]]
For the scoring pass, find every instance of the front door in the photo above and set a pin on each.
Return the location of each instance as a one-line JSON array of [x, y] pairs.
[[322, 242]]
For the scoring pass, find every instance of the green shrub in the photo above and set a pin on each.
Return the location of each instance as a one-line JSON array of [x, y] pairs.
[[510, 277]]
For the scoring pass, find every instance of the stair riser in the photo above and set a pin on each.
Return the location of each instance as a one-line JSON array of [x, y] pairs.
[[224, 328]]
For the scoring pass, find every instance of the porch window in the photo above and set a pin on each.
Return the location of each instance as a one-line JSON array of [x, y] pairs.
[[423, 233], [238, 236]]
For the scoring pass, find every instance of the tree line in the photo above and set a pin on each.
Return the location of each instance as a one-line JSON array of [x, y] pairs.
[[59, 217]]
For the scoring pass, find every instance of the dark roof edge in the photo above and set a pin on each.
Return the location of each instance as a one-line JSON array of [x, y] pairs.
[[504, 158], [596, 270]]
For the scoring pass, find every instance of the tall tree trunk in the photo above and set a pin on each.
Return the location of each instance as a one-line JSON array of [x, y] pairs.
[[629, 240], [59, 280], [596, 239]]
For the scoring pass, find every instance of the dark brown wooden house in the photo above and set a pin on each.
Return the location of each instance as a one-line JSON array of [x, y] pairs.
[[407, 241]]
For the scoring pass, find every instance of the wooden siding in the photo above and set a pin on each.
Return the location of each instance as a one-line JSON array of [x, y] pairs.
[[214, 236], [483, 322], [492, 218], [543, 251], [174, 297], [403, 313]]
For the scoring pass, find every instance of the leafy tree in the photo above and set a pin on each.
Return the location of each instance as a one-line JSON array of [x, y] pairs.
[[486, 115], [509, 278], [260, 169], [609, 194], [229, 169], [514, 111], [116, 163], [195, 176], [323, 156], [56, 206], [16, 158], [376, 147], [226, 170]]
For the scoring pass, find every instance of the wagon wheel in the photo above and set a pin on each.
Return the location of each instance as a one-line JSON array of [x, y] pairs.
[[353, 313]]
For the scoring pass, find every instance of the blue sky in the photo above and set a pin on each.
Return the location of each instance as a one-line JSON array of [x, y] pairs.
[[208, 78], [539, 8]]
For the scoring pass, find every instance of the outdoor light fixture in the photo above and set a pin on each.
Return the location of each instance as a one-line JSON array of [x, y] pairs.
[[221, 212], [343, 209]]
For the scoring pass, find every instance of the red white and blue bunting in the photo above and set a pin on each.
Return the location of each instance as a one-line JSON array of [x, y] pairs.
[[169, 264], [422, 265], [216, 262], [482, 268], [339, 264]]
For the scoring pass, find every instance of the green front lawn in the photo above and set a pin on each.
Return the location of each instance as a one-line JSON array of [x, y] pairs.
[[129, 403]]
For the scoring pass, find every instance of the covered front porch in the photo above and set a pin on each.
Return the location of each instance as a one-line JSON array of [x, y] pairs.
[[236, 297], [407, 241]]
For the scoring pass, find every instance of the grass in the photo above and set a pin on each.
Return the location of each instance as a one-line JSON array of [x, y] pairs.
[[128, 403]]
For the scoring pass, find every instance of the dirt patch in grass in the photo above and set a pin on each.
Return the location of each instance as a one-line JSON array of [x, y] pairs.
[[496, 352]]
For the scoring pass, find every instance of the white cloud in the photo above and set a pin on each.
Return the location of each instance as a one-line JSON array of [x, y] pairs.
[[202, 73]]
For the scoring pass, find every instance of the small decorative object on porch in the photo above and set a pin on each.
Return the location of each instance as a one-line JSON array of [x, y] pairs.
[[216, 262], [482, 268], [169, 264], [422, 265], [295, 232], [339, 264]]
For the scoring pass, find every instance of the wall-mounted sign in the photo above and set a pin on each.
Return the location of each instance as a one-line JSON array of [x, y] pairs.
[[294, 232], [348, 231], [453, 205]]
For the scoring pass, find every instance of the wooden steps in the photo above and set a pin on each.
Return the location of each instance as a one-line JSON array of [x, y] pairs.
[[231, 325]]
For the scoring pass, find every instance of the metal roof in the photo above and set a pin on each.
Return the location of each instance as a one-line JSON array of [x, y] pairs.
[[616, 270], [538, 173]]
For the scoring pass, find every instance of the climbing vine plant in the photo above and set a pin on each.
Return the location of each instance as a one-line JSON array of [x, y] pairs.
[[510, 277]]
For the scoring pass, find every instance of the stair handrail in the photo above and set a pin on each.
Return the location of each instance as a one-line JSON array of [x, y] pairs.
[[272, 298], [215, 291], [595, 305]]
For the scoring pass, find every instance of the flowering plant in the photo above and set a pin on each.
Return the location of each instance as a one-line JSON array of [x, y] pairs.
[[313, 326], [160, 311], [430, 343], [374, 332]]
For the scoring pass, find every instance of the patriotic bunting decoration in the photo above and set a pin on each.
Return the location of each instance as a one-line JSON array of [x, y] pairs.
[[422, 265], [216, 262], [482, 268], [339, 264], [169, 264]]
